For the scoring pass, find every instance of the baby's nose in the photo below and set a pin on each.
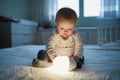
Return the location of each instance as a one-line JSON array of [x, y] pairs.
[[66, 30]]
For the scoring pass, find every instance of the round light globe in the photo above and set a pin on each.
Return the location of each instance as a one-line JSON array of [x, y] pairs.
[[63, 63]]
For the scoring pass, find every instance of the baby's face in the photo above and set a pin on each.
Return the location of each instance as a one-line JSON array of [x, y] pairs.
[[65, 28]]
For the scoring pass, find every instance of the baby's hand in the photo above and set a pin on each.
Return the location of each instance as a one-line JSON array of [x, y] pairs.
[[53, 57], [76, 58], [72, 57]]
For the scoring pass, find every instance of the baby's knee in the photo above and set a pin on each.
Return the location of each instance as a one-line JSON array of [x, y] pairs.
[[42, 55]]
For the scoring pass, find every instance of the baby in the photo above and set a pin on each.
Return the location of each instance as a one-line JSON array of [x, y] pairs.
[[64, 41]]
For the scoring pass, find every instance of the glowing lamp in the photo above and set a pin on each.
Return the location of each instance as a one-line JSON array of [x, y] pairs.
[[63, 63]]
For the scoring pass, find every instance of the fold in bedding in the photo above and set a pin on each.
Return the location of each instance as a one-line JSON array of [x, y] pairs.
[[16, 64]]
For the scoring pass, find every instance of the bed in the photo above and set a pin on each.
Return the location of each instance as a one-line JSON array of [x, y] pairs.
[[100, 64]]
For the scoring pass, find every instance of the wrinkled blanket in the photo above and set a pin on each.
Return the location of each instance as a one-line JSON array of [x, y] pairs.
[[100, 64]]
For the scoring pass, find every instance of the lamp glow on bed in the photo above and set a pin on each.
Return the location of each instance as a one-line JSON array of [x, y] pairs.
[[63, 64]]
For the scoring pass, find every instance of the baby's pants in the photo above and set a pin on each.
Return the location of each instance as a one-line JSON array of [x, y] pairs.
[[42, 55]]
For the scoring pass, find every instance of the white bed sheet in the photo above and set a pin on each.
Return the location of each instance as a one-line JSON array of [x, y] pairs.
[[100, 64]]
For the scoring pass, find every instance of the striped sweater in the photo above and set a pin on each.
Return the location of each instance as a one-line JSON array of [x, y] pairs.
[[57, 46]]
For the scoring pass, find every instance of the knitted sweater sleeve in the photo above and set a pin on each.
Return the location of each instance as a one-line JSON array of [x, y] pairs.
[[50, 47], [78, 45]]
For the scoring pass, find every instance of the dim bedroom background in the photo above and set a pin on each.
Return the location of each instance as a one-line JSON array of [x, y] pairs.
[[102, 58], [22, 36], [101, 63]]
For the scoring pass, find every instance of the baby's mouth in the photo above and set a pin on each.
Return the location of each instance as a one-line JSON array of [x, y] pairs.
[[65, 37]]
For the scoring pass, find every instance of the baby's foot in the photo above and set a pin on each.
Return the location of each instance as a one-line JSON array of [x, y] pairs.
[[40, 63]]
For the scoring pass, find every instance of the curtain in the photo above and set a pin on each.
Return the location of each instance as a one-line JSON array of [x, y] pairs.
[[109, 9], [43, 10], [52, 9], [36, 10]]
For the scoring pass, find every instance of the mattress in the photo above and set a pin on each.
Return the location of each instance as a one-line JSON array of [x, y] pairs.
[[100, 64]]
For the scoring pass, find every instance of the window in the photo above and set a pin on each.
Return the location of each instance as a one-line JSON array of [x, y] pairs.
[[92, 8], [105, 9], [74, 4]]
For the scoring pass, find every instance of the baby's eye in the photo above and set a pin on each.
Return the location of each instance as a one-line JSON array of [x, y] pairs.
[[61, 28], [69, 29]]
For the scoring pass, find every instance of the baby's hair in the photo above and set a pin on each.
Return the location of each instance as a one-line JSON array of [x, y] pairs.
[[66, 13]]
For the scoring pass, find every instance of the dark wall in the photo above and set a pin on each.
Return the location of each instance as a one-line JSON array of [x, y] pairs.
[[14, 8]]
